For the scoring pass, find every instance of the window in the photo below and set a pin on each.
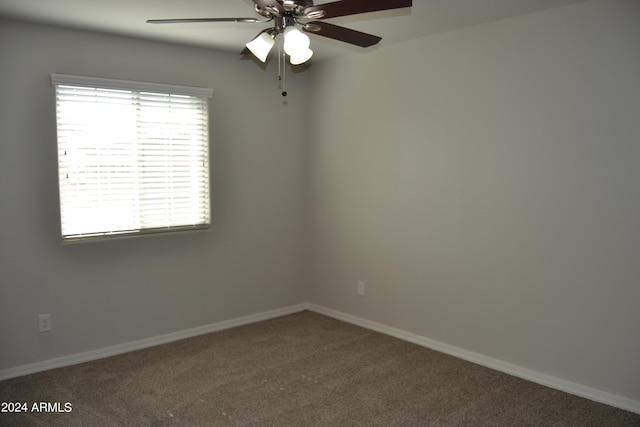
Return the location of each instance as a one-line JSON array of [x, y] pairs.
[[132, 157]]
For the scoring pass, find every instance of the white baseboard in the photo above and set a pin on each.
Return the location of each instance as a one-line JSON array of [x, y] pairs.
[[146, 342], [479, 359], [499, 365]]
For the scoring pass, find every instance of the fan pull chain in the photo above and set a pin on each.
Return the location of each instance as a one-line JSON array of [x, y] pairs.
[[282, 69], [279, 64]]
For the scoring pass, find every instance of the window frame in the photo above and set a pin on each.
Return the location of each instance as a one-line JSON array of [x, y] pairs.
[[167, 90]]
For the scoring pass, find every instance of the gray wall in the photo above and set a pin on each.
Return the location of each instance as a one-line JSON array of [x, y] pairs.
[[484, 184], [105, 293]]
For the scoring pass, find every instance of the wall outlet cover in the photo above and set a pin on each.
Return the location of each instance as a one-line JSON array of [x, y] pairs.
[[44, 321]]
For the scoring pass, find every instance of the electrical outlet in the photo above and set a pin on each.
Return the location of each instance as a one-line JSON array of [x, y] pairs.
[[361, 288], [44, 322]]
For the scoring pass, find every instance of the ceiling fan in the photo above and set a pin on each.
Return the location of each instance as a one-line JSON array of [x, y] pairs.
[[293, 18]]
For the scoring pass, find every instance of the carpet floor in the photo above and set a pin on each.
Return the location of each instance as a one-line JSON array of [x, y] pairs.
[[303, 369]]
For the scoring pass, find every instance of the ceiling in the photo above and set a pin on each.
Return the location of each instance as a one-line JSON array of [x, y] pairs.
[[127, 17]]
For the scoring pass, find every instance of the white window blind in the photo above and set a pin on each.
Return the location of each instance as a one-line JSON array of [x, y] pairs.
[[132, 157]]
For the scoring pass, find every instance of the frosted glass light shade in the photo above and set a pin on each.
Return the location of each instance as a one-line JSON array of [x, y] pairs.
[[301, 57], [296, 45], [261, 46]]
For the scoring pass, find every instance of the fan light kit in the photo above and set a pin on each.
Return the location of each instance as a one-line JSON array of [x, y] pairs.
[[293, 18]]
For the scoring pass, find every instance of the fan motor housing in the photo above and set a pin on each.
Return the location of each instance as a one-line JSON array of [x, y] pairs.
[[296, 7], [291, 7]]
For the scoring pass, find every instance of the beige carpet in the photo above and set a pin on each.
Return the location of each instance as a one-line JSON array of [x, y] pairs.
[[303, 369]]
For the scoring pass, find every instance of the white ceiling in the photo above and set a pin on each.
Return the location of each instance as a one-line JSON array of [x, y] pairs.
[[127, 17]]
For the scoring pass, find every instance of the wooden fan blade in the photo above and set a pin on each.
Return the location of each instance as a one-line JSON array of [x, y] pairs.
[[191, 20], [353, 7], [341, 33], [270, 5]]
